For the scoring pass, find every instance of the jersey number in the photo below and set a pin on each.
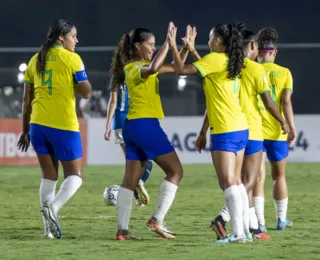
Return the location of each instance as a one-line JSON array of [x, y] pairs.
[[47, 80], [236, 88]]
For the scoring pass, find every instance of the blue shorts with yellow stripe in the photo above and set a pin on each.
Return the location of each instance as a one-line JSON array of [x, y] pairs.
[[230, 141], [276, 150], [145, 139], [64, 145]]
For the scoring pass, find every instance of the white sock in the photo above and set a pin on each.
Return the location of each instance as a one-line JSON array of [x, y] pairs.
[[67, 189], [245, 212], [253, 220], [234, 204], [281, 208], [258, 203], [47, 192], [124, 206], [166, 196], [224, 213]]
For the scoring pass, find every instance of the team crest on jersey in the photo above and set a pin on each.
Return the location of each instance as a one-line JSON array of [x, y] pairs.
[[138, 64]]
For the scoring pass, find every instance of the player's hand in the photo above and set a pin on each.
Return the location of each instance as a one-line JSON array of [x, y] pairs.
[[285, 128], [190, 38], [201, 142], [24, 142], [107, 134], [171, 35], [291, 138]]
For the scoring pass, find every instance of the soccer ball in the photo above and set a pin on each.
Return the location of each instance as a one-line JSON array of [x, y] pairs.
[[110, 194]]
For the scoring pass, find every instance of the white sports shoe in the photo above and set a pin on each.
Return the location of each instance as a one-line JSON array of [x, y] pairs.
[[143, 194], [139, 203], [52, 220]]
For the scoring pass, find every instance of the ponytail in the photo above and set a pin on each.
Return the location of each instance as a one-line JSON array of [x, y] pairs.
[[234, 50], [122, 56], [126, 53], [59, 28], [42, 56]]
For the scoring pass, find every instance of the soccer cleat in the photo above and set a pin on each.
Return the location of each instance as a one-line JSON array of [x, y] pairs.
[[161, 229], [263, 228], [139, 203], [143, 194], [52, 220], [249, 237], [128, 236], [218, 225], [282, 225], [261, 236], [49, 235], [232, 239], [258, 234]]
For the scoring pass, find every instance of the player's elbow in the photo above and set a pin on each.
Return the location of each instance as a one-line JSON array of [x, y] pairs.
[[154, 69]]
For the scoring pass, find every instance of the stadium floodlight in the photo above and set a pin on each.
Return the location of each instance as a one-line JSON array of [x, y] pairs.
[[20, 77], [23, 67], [182, 84], [7, 90]]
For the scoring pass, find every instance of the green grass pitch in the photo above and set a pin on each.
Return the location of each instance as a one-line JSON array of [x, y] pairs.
[[89, 226]]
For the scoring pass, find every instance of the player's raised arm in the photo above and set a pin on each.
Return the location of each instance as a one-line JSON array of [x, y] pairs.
[[181, 68], [158, 60], [189, 42]]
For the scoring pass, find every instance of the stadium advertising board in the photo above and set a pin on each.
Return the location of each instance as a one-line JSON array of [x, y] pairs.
[[182, 132], [10, 131]]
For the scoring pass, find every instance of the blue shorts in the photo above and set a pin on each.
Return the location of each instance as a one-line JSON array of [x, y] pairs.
[[63, 144], [118, 120], [276, 150], [230, 142], [253, 146], [144, 139]]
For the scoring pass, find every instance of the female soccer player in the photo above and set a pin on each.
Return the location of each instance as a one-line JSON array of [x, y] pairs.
[[229, 130], [49, 118], [117, 113], [253, 83], [276, 144], [143, 137]]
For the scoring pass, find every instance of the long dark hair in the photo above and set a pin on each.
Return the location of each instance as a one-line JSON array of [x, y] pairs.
[[232, 41], [59, 28], [125, 53], [248, 37], [267, 39]]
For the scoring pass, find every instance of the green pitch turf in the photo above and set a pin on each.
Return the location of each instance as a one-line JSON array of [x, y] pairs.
[[89, 226]]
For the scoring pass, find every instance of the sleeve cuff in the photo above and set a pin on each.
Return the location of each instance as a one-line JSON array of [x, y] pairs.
[[199, 69], [264, 91]]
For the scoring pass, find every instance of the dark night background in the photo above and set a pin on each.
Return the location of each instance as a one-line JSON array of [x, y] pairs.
[[101, 23]]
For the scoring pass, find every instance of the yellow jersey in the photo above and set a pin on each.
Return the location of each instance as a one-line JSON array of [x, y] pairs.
[[280, 79], [222, 94], [144, 96], [253, 82], [54, 94]]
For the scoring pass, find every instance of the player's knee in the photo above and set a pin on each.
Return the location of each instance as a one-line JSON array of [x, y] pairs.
[[248, 181], [227, 182], [176, 174]]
